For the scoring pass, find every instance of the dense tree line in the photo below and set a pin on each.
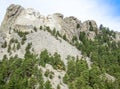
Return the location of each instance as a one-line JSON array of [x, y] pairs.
[[78, 76], [104, 53], [17, 73]]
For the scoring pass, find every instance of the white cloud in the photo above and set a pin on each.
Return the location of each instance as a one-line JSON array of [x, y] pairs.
[[82, 9]]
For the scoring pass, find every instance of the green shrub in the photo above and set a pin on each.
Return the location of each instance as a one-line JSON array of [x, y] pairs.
[[18, 46], [78, 26], [35, 29], [4, 45], [58, 86], [47, 72], [48, 85], [41, 27], [64, 37]]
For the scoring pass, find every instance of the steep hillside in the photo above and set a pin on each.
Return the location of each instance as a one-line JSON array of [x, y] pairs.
[[56, 52]]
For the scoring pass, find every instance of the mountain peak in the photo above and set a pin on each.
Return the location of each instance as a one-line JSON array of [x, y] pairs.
[[17, 16], [13, 11]]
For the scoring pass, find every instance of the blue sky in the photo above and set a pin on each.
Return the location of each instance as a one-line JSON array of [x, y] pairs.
[[106, 12], [115, 4]]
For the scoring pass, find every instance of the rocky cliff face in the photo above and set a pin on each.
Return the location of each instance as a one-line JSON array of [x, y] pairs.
[[13, 11], [19, 17]]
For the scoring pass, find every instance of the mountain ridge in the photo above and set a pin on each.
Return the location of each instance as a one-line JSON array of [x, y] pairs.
[[17, 15], [76, 45]]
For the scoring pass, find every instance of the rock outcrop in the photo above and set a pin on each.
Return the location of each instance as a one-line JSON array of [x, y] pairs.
[[13, 11], [18, 17], [117, 37], [73, 27], [88, 25]]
